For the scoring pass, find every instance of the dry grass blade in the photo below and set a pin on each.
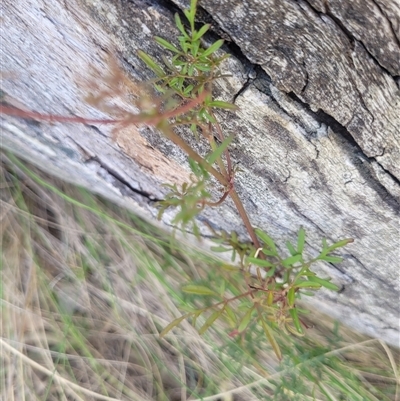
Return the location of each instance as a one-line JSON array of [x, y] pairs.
[[54, 375], [86, 288]]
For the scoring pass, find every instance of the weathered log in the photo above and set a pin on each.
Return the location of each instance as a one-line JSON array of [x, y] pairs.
[[317, 136]]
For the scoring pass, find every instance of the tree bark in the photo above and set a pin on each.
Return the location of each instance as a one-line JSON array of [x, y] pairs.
[[317, 136]]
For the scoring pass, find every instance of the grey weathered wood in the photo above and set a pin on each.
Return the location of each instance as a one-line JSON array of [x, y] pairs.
[[317, 134]]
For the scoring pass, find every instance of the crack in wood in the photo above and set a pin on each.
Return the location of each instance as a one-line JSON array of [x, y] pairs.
[[122, 181], [324, 118], [348, 33], [396, 35], [261, 75]]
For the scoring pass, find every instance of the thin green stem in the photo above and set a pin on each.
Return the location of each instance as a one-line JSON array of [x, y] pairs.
[[177, 140]]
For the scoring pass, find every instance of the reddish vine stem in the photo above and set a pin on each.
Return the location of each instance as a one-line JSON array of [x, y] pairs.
[[153, 120], [177, 140], [132, 118], [32, 115], [221, 178], [226, 152], [245, 218], [217, 203], [226, 301]]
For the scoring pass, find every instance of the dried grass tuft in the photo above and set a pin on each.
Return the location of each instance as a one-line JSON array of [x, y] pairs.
[[86, 288]]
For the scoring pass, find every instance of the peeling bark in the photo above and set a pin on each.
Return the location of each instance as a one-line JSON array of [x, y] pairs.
[[317, 134]]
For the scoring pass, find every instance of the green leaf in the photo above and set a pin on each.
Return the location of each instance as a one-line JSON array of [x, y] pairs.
[[267, 240], [306, 284], [201, 32], [207, 116], [194, 320], [164, 43], [296, 320], [173, 324], [270, 298], [173, 81], [190, 309], [180, 26], [291, 296], [188, 14], [233, 257], [218, 152], [197, 169], [203, 67], [285, 276], [331, 259], [301, 240], [159, 88], [214, 47], [308, 293], [193, 5], [191, 70], [183, 71], [325, 283], [211, 319], [190, 17], [259, 262], [221, 288], [291, 260], [303, 311], [183, 41], [193, 128], [220, 249], [195, 48], [270, 335], [231, 314], [171, 67], [151, 63], [291, 249], [223, 105], [197, 289], [246, 320], [188, 91], [229, 268], [340, 244], [268, 252]]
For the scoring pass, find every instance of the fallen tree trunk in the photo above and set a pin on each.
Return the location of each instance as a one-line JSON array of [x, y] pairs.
[[317, 136]]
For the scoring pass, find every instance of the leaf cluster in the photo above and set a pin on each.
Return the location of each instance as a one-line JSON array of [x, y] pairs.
[[269, 285], [190, 198], [273, 286], [190, 70]]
